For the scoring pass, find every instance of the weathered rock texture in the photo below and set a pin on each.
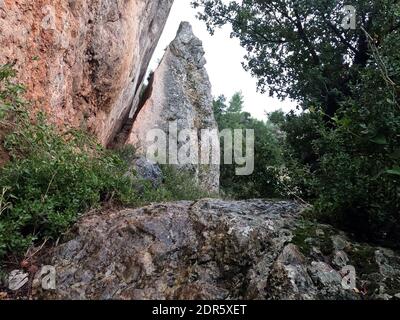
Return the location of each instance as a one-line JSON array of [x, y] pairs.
[[82, 60], [144, 169], [214, 249], [181, 91]]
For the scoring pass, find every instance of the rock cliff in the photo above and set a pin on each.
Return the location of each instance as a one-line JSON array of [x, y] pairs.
[[180, 93], [83, 61]]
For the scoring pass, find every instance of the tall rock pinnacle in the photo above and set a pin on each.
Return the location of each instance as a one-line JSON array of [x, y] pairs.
[[180, 92]]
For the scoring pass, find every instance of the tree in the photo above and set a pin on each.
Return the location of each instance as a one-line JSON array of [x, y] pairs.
[[277, 117], [219, 107], [342, 152], [236, 103], [298, 48], [268, 156]]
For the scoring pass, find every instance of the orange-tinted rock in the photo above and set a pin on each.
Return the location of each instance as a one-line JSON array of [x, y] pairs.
[[82, 60]]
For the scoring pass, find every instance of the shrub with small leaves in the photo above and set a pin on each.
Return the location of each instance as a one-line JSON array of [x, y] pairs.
[[52, 178]]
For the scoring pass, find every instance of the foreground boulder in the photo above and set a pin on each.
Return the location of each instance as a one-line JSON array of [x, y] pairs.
[[214, 249]]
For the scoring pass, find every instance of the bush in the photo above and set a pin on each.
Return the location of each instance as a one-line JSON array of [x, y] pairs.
[[10, 92], [175, 185], [349, 167], [349, 171], [180, 185], [51, 178]]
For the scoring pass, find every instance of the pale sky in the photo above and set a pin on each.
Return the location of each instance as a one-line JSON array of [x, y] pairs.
[[224, 56]]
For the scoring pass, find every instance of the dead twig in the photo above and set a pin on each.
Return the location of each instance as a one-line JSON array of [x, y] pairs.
[[29, 256], [4, 204], [382, 66]]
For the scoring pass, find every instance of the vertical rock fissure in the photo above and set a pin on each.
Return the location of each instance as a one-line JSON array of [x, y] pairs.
[[143, 93]]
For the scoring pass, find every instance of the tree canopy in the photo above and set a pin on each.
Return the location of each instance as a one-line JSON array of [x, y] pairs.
[[299, 48]]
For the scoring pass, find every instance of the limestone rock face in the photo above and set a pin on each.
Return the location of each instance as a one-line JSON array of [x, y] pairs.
[[82, 60], [180, 93]]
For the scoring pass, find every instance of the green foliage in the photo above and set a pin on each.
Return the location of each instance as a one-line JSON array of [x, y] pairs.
[[53, 178], [359, 159], [277, 117], [177, 185], [307, 231], [10, 92], [342, 152], [299, 49], [264, 182], [350, 169], [363, 259]]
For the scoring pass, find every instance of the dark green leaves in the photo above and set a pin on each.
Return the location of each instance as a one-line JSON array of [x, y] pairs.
[[380, 139], [395, 171], [342, 153]]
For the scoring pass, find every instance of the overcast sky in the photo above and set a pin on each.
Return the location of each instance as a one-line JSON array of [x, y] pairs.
[[224, 56]]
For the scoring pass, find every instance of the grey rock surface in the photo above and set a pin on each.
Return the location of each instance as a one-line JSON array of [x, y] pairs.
[[213, 249], [289, 279], [340, 259], [180, 92], [324, 275], [185, 250], [148, 170]]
